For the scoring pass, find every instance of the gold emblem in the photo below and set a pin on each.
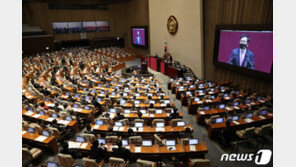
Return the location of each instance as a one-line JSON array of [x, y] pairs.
[[172, 25]]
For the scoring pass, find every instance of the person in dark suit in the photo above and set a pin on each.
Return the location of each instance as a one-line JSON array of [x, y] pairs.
[[70, 151], [98, 153], [121, 152], [242, 56], [227, 133]]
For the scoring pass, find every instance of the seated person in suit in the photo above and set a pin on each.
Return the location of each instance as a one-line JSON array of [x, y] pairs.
[[175, 114], [70, 151], [55, 125], [88, 129], [121, 152], [187, 133], [227, 133], [98, 152]]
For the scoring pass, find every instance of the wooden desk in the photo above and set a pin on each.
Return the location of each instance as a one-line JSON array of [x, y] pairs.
[[257, 121], [72, 124], [156, 152], [49, 143], [146, 129]]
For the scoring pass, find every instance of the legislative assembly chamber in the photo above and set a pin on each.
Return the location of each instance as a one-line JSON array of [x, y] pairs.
[[146, 83]]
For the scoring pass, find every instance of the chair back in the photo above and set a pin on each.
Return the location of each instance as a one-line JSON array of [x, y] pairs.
[[157, 121], [185, 141], [116, 162], [65, 160], [26, 154], [174, 121], [136, 140], [145, 163], [111, 139], [265, 130], [249, 132], [124, 122], [89, 162], [89, 137]]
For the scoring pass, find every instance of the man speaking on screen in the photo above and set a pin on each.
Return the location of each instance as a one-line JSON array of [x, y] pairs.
[[242, 56]]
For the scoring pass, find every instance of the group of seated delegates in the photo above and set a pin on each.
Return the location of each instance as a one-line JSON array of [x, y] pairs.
[[69, 88], [221, 103], [116, 52]]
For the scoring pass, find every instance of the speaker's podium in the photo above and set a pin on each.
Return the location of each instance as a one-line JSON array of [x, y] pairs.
[[144, 69]]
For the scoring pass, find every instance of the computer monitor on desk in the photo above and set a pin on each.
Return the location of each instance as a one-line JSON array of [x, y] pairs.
[[124, 142], [86, 107], [219, 120], [68, 118], [249, 115], [158, 111], [51, 164], [112, 110], [79, 139], [170, 142], [139, 124], [147, 143], [99, 122], [54, 115], [160, 124], [102, 141], [45, 133], [206, 108], [181, 123], [263, 112], [235, 118], [119, 124], [221, 106], [193, 142], [31, 130]]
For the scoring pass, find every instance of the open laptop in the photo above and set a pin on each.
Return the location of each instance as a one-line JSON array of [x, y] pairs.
[[206, 108], [68, 118]]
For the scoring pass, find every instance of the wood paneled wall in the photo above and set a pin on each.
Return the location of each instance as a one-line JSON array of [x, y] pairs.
[[233, 12], [121, 14]]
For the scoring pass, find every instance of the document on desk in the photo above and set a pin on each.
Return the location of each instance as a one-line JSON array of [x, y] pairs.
[[228, 108], [235, 122], [134, 129], [50, 105], [23, 132], [112, 115], [41, 138], [159, 129], [36, 115], [137, 149], [29, 113], [73, 144], [227, 98], [145, 115], [83, 145], [237, 108], [140, 129], [64, 122], [50, 119], [115, 128], [121, 129], [96, 127], [202, 112], [171, 148], [262, 117], [162, 105], [262, 101], [127, 147], [151, 115], [269, 114], [208, 101], [249, 120], [199, 102], [192, 147]]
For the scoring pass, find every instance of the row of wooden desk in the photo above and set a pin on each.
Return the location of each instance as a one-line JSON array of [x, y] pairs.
[[240, 124], [156, 152]]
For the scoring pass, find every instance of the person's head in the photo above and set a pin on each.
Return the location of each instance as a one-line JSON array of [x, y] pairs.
[[88, 127], [65, 105], [65, 145], [119, 144], [228, 122], [187, 130], [54, 121], [42, 104], [175, 110], [244, 41], [95, 143]]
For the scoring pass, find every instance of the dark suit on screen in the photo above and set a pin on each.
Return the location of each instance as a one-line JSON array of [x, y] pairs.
[[248, 61]]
